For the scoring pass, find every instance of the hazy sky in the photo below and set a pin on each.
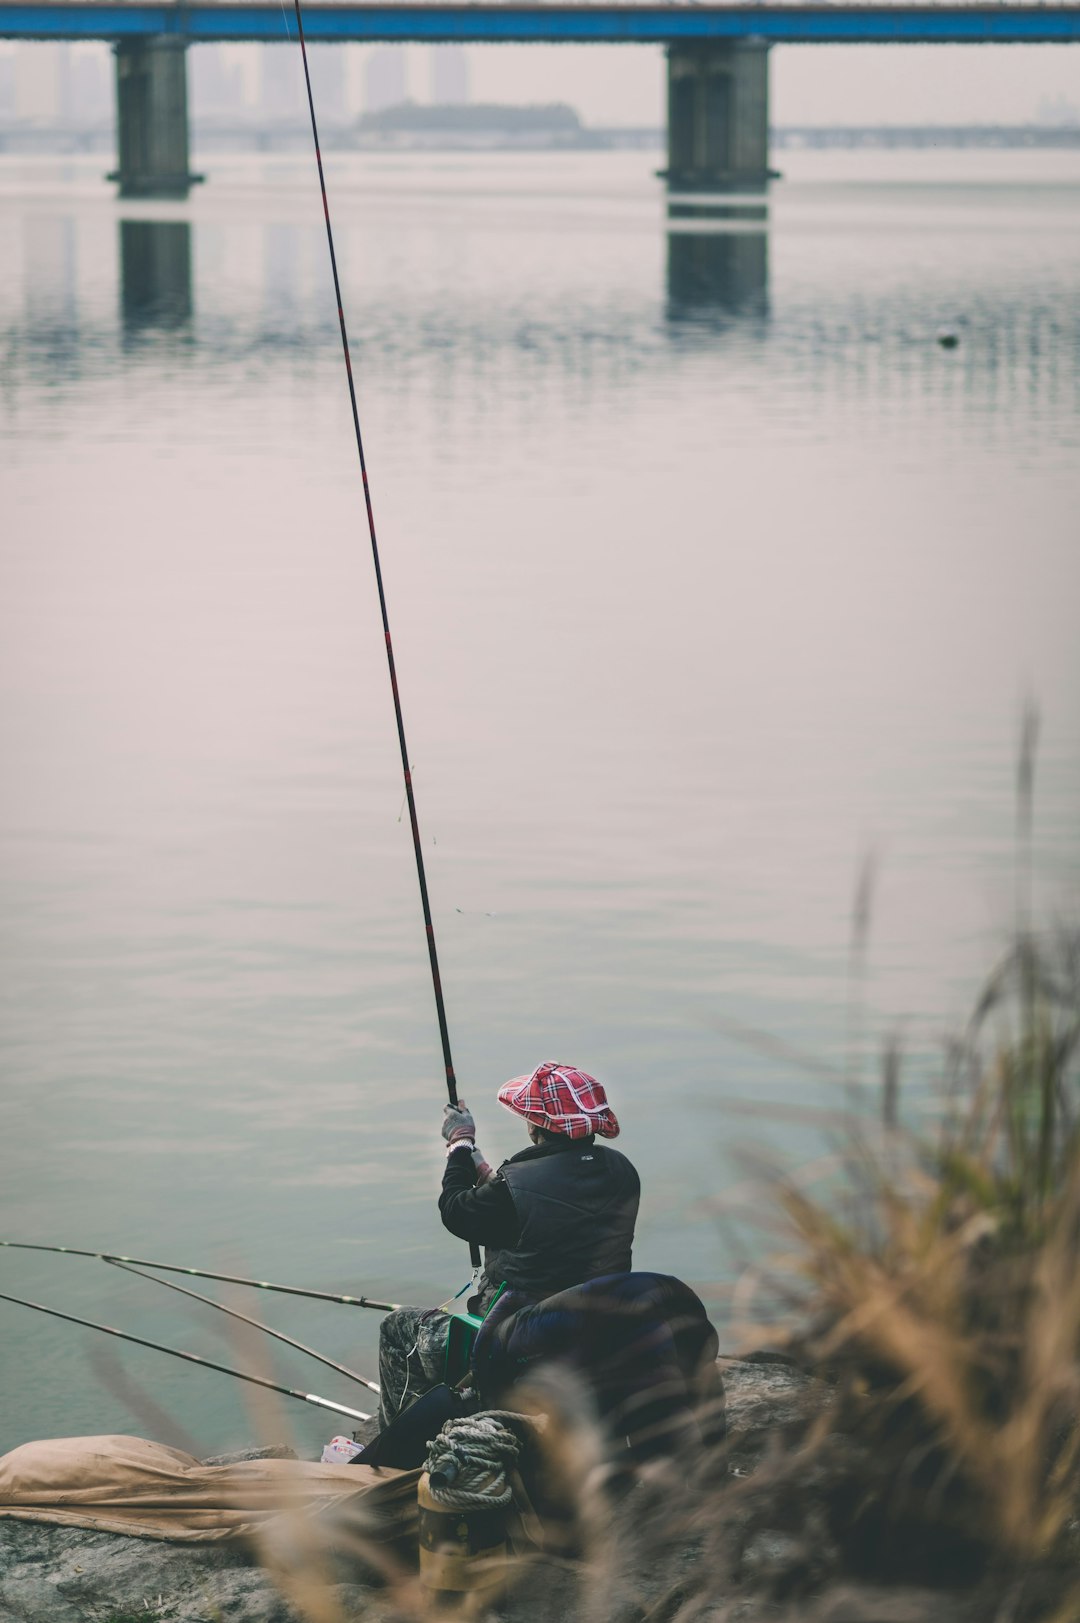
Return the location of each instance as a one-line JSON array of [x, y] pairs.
[[825, 84], [810, 84]]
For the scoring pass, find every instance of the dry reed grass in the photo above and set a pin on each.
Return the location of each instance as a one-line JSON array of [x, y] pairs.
[[942, 1291], [934, 1282]]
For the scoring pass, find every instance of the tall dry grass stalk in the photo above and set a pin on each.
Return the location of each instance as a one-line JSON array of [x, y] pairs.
[[940, 1288]]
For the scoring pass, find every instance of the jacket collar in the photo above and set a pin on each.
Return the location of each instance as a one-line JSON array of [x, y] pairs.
[[556, 1146]]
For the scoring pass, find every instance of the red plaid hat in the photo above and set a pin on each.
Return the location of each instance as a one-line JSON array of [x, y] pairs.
[[561, 1099]]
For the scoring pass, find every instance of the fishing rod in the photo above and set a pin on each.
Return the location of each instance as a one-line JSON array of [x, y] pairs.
[[204, 1273], [234, 1313], [436, 979], [192, 1358]]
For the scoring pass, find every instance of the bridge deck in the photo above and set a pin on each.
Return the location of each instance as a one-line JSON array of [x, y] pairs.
[[813, 23]]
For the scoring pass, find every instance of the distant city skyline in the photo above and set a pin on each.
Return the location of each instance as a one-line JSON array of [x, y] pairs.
[[385, 78], [609, 85], [449, 75]]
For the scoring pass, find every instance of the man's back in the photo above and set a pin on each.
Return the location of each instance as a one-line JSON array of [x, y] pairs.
[[576, 1203]]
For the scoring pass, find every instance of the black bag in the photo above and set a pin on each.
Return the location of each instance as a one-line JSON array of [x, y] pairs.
[[404, 1443]]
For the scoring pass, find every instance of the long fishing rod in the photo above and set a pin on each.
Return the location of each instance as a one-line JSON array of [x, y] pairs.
[[234, 1313], [204, 1273], [436, 980], [192, 1358]]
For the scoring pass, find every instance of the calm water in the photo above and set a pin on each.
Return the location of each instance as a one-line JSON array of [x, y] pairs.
[[709, 570]]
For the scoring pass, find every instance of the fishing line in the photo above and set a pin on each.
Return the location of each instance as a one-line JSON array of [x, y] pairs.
[[444, 1035]]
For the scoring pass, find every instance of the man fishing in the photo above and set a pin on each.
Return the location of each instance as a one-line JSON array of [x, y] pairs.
[[557, 1214]]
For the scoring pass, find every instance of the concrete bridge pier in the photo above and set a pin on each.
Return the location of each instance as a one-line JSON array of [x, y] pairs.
[[152, 118], [718, 119]]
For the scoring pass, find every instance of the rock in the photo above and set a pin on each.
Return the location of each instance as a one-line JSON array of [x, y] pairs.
[[772, 1554], [767, 1401], [366, 1431], [53, 1574], [69, 1575]]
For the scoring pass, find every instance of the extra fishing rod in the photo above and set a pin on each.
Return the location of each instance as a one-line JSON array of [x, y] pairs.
[[436, 980], [204, 1273], [192, 1358], [233, 1313]]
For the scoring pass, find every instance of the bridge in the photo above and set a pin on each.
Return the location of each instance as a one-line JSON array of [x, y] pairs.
[[717, 60]]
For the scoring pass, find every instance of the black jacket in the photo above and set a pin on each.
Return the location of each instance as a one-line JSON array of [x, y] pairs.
[[555, 1215]]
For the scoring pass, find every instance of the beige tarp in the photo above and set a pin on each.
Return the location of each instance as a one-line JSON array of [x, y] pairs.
[[128, 1485]]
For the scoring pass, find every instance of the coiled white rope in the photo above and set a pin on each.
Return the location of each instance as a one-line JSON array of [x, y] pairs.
[[470, 1461]]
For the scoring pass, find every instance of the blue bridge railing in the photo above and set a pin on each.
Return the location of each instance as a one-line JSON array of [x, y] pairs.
[[644, 23]]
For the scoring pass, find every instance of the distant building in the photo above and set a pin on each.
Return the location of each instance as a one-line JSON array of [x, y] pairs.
[[553, 118], [327, 65], [449, 75], [476, 126], [216, 84], [42, 74], [90, 93], [7, 83], [384, 78], [281, 83]]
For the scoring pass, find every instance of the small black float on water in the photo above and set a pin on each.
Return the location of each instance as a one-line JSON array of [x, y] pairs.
[[948, 338]]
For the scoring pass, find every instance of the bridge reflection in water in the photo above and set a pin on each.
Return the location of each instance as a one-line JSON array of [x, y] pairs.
[[717, 271], [155, 273], [79, 285]]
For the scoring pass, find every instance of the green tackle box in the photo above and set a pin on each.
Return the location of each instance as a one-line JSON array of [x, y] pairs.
[[459, 1340]]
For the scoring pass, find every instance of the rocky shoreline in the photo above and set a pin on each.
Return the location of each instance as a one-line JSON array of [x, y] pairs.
[[767, 1562]]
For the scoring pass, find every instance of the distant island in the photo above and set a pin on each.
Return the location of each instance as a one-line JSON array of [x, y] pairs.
[[489, 125], [556, 118]]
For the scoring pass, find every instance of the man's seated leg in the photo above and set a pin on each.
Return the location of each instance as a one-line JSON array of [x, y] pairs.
[[412, 1357]]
